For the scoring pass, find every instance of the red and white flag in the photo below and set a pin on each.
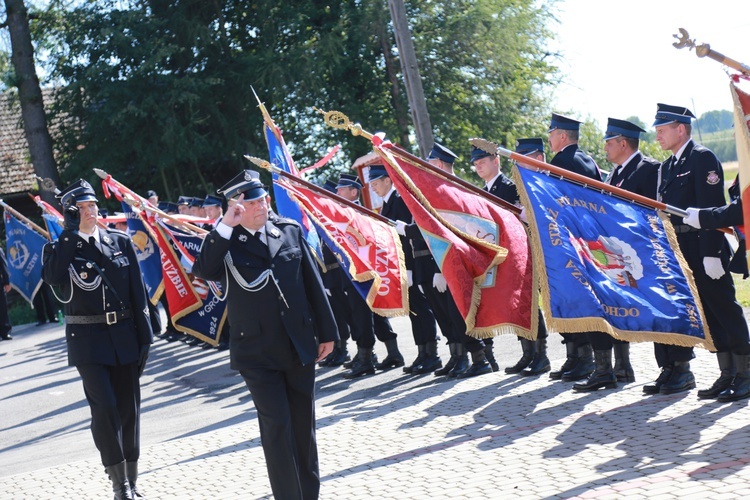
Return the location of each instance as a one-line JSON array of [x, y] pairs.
[[481, 249]]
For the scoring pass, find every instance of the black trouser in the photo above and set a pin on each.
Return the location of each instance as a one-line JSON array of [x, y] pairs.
[[341, 311], [285, 403], [44, 305], [601, 341], [421, 315], [446, 313], [5, 326], [362, 326], [114, 396], [724, 314]]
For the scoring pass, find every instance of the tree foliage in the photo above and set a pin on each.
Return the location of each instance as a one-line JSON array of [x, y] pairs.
[[159, 92]]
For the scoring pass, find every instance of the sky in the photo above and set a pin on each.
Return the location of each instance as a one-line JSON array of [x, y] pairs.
[[618, 59]]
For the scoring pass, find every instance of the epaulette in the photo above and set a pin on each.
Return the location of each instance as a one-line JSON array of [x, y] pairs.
[[284, 220], [117, 231]]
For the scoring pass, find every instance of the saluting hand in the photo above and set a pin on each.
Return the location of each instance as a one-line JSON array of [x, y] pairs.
[[234, 213]]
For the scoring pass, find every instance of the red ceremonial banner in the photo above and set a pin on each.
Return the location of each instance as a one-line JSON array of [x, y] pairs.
[[481, 249], [372, 247]]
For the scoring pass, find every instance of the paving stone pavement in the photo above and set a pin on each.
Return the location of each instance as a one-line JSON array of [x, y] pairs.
[[494, 436]]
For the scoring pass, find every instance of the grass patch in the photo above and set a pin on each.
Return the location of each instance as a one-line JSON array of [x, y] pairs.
[[742, 288]]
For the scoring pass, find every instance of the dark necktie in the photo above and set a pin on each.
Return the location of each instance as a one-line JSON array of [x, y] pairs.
[[92, 242], [259, 237]]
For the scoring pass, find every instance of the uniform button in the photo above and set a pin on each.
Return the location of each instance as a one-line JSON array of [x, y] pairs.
[[242, 334], [272, 266], [282, 313], [72, 334], [106, 288], [108, 304]]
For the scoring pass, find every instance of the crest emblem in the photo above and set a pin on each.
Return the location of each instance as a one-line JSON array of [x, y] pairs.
[[248, 176], [79, 244], [106, 239], [18, 255], [243, 238], [275, 232], [84, 275], [713, 178]]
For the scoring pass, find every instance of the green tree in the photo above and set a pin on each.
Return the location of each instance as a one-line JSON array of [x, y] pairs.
[[158, 92]]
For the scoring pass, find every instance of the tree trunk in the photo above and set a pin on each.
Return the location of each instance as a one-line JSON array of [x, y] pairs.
[[30, 96], [414, 90], [402, 119]]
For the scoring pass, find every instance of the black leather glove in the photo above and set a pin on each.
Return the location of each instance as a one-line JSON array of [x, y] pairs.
[[142, 358], [71, 218]]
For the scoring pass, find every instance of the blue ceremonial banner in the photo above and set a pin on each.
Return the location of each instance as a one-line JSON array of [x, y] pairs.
[[53, 226], [147, 252], [609, 265], [24, 255], [207, 321]]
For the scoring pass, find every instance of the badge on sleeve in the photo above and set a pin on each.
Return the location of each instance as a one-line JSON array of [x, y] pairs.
[[713, 178]]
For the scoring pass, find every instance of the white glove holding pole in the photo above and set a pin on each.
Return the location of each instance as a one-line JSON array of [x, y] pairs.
[[692, 218], [409, 278], [438, 281], [522, 215], [713, 267], [401, 227]]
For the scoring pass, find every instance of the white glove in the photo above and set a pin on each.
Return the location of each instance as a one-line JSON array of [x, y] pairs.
[[409, 279], [692, 218], [522, 215], [713, 267], [401, 227], [438, 281]]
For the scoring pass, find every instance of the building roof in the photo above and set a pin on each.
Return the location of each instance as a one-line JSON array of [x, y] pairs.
[[16, 170]]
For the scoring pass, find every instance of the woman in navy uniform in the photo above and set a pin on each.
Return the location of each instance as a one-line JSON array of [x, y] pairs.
[[281, 325], [107, 330]]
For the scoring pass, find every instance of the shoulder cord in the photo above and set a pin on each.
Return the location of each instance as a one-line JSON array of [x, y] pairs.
[[74, 278], [257, 285]]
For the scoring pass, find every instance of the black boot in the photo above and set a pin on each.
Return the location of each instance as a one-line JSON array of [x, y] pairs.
[[740, 388], [421, 353], [363, 366], [527, 347], [663, 378], [603, 376], [540, 363], [479, 365], [462, 362], [623, 369], [583, 367], [131, 470], [570, 361], [445, 370], [682, 379], [431, 361], [342, 354], [394, 359], [120, 485], [725, 379], [490, 357]]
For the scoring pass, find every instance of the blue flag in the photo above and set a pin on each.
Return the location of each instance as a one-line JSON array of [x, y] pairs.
[[280, 157], [609, 265], [53, 226], [147, 252], [24, 255]]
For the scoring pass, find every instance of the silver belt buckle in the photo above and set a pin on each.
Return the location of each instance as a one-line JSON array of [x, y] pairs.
[[111, 317]]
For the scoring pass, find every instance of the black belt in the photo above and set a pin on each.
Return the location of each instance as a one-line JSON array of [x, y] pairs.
[[109, 318], [335, 265], [684, 228], [421, 253]]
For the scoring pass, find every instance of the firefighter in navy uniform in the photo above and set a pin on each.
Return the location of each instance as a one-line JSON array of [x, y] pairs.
[[637, 173], [693, 177], [281, 325], [563, 140], [418, 267], [107, 330]]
